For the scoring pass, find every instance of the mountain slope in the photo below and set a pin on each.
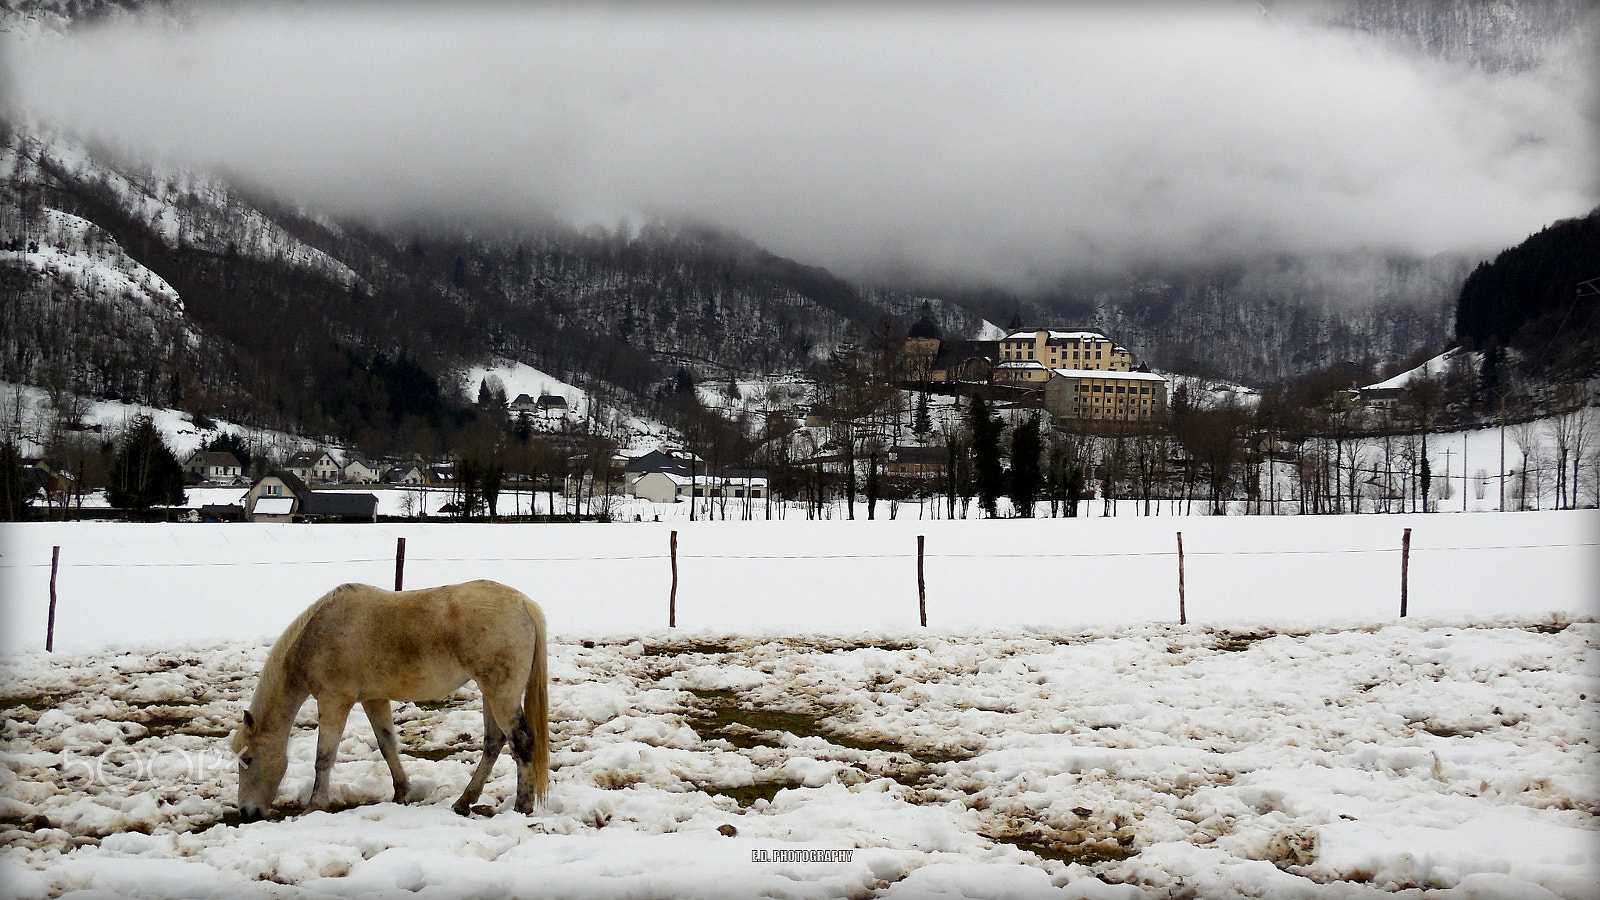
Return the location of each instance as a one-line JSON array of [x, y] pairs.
[[296, 322], [1541, 297]]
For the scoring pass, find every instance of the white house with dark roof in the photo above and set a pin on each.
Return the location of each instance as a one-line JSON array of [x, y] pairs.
[[280, 496], [318, 465], [404, 474], [360, 470], [214, 465]]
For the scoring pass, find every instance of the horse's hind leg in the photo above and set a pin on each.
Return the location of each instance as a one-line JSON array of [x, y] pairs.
[[493, 740], [381, 716], [331, 713], [507, 708]]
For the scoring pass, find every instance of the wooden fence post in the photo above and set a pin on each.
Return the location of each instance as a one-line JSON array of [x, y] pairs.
[[1183, 614], [399, 564], [672, 601], [50, 628], [922, 584], [1405, 567]]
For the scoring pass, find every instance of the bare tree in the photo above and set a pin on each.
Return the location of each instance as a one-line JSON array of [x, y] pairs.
[[1526, 436], [1567, 430], [1423, 398]]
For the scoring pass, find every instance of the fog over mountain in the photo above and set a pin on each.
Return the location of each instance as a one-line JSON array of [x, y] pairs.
[[971, 144]]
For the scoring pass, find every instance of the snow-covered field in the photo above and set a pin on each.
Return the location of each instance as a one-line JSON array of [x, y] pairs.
[[1053, 733]]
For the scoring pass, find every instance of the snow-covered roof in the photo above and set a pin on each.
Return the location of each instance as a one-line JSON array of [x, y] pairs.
[[1107, 373], [274, 506], [1054, 335], [673, 477]]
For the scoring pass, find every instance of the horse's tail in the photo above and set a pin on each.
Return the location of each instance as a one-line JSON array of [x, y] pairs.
[[536, 707]]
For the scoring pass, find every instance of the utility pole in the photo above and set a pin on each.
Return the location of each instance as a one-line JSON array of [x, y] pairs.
[[1502, 507], [1446, 491]]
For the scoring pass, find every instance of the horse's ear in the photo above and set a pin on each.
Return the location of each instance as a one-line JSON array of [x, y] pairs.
[[249, 720]]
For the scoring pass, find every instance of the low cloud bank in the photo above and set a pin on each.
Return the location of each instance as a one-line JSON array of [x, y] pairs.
[[950, 142]]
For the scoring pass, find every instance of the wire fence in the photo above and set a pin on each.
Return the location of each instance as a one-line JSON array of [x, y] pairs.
[[910, 554], [969, 565]]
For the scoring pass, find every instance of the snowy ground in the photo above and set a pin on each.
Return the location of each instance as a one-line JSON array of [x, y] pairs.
[[1040, 740]]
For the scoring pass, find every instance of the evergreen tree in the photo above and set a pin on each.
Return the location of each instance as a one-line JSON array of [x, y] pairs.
[[1026, 446], [13, 484], [922, 424], [144, 472], [986, 467]]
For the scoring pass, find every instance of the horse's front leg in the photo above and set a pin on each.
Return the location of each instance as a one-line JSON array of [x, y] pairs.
[[331, 713], [493, 740], [381, 716]]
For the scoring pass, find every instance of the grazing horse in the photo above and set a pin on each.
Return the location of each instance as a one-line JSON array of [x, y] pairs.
[[361, 644]]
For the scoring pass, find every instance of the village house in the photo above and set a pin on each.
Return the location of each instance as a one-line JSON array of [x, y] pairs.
[[404, 474], [214, 466], [281, 496], [42, 479], [652, 463], [735, 484], [1384, 395], [659, 487], [665, 477], [360, 470], [316, 466], [916, 460]]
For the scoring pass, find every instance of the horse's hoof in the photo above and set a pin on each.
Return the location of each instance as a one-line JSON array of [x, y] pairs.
[[462, 809]]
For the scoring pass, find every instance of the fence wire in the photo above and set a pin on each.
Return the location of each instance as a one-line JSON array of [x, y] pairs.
[[764, 557]]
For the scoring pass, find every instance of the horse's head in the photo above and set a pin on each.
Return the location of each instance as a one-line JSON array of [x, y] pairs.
[[261, 766]]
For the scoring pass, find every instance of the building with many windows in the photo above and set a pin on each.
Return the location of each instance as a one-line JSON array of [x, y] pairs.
[[1027, 358], [1106, 395], [1083, 374]]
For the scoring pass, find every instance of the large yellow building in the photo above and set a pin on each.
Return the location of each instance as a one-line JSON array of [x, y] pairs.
[[1084, 375], [1028, 357], [1106, 395]]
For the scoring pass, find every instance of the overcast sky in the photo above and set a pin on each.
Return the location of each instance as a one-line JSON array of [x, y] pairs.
[[1009, 145]]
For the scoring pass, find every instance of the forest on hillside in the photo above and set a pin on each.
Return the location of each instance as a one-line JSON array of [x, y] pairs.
[[1541, 299]]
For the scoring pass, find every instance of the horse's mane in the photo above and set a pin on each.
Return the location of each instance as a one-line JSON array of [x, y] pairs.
[[276, 672]]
